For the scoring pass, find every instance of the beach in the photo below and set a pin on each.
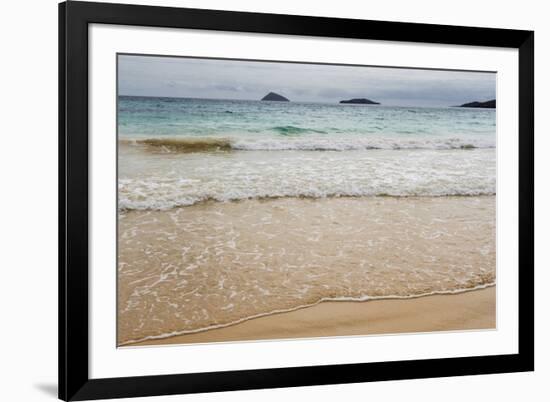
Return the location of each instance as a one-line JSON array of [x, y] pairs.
[[249, 219], [471, 310], [192, 270]]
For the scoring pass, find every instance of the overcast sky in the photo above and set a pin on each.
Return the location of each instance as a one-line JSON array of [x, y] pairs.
[[228, 79]]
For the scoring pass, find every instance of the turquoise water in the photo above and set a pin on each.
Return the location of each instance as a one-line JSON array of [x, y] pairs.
[[284, 123], [176, 152]]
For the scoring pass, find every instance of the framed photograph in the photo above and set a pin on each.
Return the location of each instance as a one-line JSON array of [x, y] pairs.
[[258, 200]]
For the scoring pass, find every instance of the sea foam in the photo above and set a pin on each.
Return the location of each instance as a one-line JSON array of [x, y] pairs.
[[151, 181]]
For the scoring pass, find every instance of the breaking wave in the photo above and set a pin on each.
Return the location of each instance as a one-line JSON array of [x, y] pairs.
[[350, 143]]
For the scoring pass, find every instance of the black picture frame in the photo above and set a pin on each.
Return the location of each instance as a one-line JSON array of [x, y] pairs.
[[74, 18]]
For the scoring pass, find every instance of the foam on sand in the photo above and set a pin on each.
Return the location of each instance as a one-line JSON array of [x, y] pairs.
[[212, 265]]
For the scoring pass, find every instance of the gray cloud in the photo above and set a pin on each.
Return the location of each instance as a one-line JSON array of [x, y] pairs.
[[231, 79]]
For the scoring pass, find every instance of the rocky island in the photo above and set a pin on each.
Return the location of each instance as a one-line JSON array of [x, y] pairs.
[[490, 104], [360, 101], [272, 96]]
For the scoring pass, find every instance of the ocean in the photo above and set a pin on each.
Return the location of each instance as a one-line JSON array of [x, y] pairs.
[[176, 152], [231, 210]]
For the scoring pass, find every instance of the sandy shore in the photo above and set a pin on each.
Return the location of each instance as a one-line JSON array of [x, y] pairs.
[[215, 264], [463, 311]]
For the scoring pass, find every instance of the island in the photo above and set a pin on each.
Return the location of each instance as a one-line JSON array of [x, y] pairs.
[[272, 96], [490, 104], [360, 101]]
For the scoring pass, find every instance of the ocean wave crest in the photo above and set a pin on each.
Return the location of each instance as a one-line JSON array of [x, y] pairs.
[[182, 144], [206, 144]]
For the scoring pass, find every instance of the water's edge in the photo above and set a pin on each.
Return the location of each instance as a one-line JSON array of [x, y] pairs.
[[281, 311]]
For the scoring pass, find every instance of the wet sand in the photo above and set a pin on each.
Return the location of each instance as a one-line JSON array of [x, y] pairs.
[[195, 269], [463, 311]]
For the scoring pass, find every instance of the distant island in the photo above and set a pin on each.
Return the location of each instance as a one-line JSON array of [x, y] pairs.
[[360, 101], [272, 96], [490, 104]]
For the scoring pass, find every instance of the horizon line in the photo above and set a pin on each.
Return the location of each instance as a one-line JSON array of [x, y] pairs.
[[291, 101]]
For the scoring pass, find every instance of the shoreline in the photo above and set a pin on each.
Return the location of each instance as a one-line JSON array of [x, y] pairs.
[[211, 267], [467, 310], [381, 196]]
